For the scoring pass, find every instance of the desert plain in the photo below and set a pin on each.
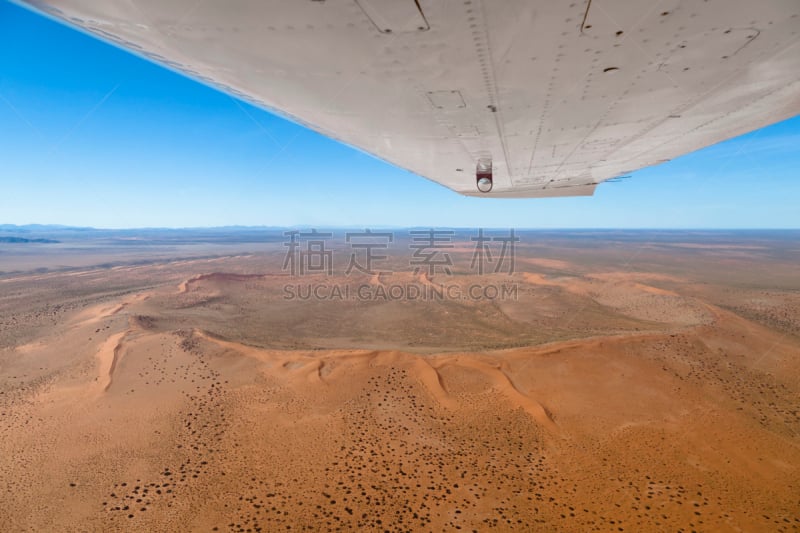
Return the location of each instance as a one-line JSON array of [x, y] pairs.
[[609, 381]]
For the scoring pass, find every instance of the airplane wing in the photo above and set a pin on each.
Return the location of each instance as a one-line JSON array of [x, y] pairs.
[[556, 96]]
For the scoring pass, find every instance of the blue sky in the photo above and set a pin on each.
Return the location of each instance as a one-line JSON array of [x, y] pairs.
[[93, 136]]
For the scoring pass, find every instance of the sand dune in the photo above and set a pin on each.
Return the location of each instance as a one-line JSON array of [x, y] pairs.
[[108, 356]]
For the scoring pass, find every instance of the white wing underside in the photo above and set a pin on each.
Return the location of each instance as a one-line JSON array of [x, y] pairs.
[[561, 96]]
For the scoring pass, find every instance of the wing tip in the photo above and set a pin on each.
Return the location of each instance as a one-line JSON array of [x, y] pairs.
[[539, 192]]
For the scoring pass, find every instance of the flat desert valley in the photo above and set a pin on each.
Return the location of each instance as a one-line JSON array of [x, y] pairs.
[[609, 381]]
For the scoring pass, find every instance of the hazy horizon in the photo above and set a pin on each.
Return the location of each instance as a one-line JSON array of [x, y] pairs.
[[36, 225]]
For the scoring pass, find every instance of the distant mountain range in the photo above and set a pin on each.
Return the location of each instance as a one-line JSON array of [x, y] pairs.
[[36, 227], [24, 240]]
